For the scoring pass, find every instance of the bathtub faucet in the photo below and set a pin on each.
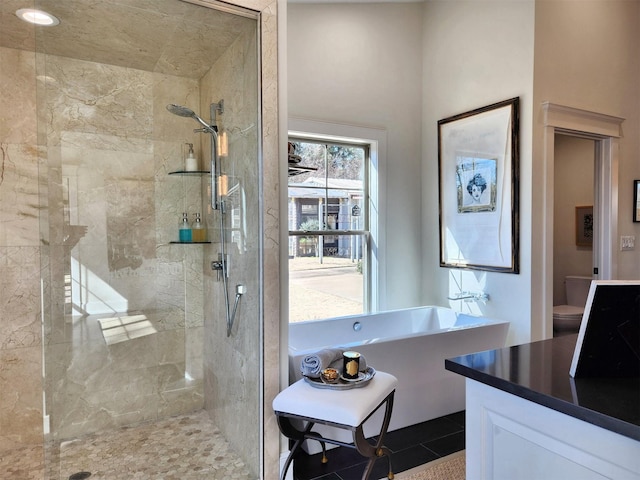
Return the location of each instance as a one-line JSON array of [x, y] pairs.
[[471, 297]]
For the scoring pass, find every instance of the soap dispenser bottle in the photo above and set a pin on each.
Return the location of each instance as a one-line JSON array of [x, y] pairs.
[[184, 233], [199, 233], [191, 162]]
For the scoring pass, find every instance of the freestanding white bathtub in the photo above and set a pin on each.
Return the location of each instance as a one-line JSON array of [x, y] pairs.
[[411, 344]]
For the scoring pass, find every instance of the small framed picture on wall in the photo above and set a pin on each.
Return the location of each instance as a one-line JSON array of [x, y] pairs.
[[584, 226], [636, 200]]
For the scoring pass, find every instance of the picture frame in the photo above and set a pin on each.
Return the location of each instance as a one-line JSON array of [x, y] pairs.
[[636, 200], [584, 226], [478, 164]]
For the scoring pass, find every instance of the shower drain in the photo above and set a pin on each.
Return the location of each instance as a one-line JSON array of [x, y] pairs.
[[80, 476]]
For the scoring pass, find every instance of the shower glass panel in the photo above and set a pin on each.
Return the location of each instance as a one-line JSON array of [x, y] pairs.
[[134, 320]]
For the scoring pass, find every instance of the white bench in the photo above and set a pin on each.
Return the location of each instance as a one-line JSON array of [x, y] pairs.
[[344, 409]]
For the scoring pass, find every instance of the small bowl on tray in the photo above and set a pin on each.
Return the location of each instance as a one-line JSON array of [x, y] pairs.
[[330, 375]]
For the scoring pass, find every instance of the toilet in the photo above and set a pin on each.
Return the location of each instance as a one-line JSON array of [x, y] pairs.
[[567, 318]]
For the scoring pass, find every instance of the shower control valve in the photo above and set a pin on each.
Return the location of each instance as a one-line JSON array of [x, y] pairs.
[[216, 265], [221, 266]]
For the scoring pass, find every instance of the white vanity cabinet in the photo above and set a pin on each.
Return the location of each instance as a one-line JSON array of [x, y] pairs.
[[510, 438], [528, 419]]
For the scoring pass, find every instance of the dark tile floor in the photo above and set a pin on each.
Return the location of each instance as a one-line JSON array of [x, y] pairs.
[[410, 447]]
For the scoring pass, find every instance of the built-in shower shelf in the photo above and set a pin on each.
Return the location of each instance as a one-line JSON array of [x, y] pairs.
[[190, 173], [185, 172], [190, 243]]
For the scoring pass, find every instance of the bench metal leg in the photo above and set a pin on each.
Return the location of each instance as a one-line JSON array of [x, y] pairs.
[[373, 452], [299, 436]]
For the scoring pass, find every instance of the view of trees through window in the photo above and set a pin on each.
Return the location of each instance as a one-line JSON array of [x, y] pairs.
[[327, 229]]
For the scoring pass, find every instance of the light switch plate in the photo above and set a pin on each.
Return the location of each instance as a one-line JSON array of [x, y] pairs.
[[627, 242]]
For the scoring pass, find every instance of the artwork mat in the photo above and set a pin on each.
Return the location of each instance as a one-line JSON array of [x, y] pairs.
[[482, 237]]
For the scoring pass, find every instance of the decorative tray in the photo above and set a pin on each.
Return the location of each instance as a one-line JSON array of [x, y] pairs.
[[343, 384]]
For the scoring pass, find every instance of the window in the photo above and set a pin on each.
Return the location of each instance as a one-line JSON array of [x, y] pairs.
[[329, 215]]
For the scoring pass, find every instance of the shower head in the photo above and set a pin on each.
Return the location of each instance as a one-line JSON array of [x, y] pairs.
[[180, 110], [187, 112]]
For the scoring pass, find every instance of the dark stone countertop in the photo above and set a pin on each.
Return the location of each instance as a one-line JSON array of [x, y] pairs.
[[539, 372]]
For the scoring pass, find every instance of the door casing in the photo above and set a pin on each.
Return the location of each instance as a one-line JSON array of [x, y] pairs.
[[606, 131]]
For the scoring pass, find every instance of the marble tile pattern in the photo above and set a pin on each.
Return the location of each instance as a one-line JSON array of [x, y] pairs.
[[106, 249], [105, 187], [232, 393], [273, 179], [20, 327], [177, 448], [152, 35]]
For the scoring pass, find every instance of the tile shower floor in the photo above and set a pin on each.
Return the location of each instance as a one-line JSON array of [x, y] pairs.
[[188, 447]]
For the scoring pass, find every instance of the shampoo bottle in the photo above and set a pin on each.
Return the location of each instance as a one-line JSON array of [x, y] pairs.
[[184, 233], [199, 233], [191, 162]]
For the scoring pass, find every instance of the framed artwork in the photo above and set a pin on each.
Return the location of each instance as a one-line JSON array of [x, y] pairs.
[[584, 226], [478, 159], [636, 200]]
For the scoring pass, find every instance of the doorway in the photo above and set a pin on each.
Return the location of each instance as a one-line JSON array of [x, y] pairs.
[[574, 172], [604, 131]]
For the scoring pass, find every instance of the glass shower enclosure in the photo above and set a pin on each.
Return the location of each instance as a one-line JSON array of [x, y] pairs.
[[132, 318]]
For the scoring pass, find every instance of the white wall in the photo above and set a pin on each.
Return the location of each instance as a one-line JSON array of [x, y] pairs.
[[586, 57], [360, 64], [476, 54]]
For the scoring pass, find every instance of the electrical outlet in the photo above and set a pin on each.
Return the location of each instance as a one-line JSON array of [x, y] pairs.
[[627, 242]]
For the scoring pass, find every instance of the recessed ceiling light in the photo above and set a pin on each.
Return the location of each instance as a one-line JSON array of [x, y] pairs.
[[37, 17]]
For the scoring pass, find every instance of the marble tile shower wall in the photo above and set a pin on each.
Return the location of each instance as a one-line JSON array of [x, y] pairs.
[[20, 329], [232, 366], [86, 204]]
